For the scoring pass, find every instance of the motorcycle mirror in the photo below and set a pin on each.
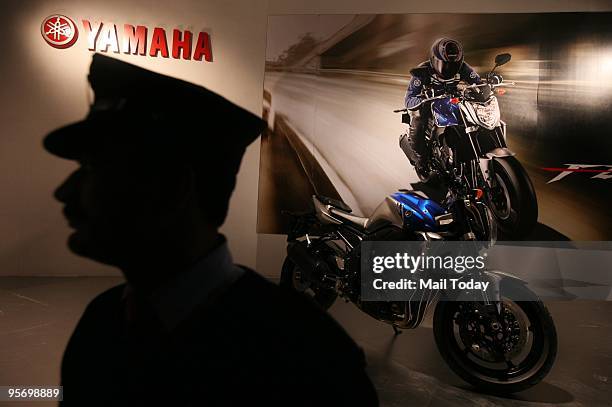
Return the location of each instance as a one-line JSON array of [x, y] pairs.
[[502, 59]]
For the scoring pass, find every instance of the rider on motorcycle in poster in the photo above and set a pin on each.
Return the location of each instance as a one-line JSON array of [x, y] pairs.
[[441, 73]]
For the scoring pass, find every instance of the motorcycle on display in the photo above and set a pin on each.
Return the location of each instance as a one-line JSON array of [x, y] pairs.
[[500, 344], [466, 143]]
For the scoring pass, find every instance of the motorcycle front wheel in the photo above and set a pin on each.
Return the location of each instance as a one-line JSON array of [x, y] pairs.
[[292, 279], [497, 355], [513, 198]]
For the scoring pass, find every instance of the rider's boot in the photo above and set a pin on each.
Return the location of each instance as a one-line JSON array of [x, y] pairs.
[[413, 145]]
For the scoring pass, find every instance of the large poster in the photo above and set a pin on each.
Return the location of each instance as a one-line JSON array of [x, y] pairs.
[[333, 81]]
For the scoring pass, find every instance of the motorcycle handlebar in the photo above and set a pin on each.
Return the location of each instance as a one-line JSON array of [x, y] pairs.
[[493, 86], [503, 84], [435, 98], [429, 100]]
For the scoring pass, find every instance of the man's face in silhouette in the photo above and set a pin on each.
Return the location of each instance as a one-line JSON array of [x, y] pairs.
[[120, 203]]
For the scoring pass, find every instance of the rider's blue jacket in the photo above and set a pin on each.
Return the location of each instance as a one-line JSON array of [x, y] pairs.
[[425, 76]]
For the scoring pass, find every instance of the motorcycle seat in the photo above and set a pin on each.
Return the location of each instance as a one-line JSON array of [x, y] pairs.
[[384, 214], [355, 220], [335, 203]]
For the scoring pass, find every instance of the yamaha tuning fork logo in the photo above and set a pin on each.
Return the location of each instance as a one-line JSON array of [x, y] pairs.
[[59, 31]]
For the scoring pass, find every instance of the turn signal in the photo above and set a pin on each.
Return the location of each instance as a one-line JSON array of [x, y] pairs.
[[454, 101], [478, 192], [501, 91]]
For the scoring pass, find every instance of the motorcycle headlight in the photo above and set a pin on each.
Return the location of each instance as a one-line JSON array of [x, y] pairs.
[[488, 113]]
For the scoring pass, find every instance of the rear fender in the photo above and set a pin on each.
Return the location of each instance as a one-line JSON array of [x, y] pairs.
[[323, 212]]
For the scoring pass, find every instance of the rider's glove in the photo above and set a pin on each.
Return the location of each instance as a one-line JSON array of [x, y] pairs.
[[430, 93], [495, 79]]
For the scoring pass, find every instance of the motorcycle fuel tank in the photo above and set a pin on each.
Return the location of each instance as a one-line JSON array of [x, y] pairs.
[[419, 212], [446, 113]]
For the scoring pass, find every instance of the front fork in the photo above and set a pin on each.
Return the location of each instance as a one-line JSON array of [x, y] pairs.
[[486, 163], [493, 296], [485, 160]]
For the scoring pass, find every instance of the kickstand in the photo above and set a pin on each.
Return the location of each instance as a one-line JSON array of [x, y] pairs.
[[396, 330]]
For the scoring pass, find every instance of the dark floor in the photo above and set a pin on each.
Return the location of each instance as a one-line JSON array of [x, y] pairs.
[[37, 316]]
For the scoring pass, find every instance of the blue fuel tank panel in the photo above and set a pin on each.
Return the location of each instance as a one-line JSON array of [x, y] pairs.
[[420, 212]]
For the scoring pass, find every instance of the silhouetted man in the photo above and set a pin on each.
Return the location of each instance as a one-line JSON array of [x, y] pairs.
[[158, 161]]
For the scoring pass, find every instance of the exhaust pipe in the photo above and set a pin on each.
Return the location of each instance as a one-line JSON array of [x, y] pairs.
[[311, 265]]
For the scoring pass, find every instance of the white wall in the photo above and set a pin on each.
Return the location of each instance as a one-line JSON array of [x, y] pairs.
[[43, 88]]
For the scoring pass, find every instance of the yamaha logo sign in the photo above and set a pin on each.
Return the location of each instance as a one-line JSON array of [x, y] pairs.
[[60, 31]]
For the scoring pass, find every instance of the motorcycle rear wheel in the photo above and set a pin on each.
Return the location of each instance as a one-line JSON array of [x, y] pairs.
[[291, 278], [492, 375]]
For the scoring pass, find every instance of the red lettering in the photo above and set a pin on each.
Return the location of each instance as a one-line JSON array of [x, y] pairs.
[[92, 34], [179, 44], [134, 39], [159, 43], [108, 39], [203, 48]]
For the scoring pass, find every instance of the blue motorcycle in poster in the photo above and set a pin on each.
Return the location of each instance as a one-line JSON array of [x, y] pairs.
[[466, 148]]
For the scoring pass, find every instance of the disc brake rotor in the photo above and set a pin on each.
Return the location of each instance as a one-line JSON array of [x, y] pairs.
[[495, 341]]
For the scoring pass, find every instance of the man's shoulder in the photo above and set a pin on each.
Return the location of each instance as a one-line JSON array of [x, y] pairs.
[[271, 298], [274, 298], [281, 315], [109, 298], [275, 337], [96, 324]]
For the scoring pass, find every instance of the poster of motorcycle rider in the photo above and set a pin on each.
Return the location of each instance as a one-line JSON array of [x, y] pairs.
[[332, 83]]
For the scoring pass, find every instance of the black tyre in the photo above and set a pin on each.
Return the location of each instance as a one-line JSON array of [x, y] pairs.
[[529, 346], [513, 199], [291, 278]]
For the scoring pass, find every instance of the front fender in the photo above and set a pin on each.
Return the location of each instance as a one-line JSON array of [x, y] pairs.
[[486, 163], [500, 152], [503, 275], [499, 279]]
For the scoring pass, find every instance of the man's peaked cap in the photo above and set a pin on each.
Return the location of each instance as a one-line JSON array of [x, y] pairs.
[[190, 115]]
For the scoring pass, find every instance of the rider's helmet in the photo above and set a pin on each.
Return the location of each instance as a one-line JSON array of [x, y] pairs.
[[446, 57]]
